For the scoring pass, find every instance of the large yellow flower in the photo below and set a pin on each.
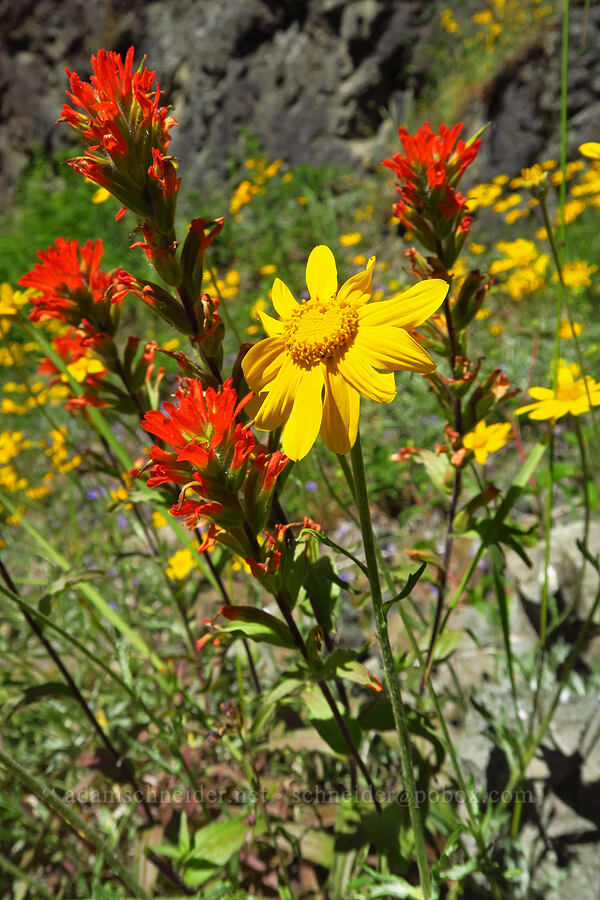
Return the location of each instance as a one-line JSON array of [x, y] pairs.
[[324, 352]]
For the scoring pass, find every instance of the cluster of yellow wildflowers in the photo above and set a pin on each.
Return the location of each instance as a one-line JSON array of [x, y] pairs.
[[260, 171], [226, 287], [526, 265], [498, 21]]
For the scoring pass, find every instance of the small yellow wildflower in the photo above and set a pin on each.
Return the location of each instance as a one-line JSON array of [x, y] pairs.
[[348, 240], [497, 330], [360, 259], [180, 565], [483, 313], [158, 520], [573, 209], [517, 254], [486, 439], [287, 177], [482, 18], [578, 273], [302, 201], [172, 344], [571, 395], [483, 195], [507, 203], [448, 22], [476, 248], [101, 195], [565, 331], [81, 368], [268, 269], [515, 214]]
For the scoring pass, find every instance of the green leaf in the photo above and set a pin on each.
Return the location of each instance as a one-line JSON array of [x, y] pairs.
[[407, 590], [344, 664], [256, 624], [319, 584], [52, 689], [322, 537], [214, 845], [437, 468], [315, 846]]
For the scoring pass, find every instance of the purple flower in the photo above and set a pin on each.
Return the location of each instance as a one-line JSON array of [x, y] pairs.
[[93, 494], [311, 486]]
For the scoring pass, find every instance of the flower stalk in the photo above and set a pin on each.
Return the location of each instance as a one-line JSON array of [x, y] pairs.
[[416, 818]]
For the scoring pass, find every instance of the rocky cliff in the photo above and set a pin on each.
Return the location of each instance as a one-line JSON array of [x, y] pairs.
[[308, 78]]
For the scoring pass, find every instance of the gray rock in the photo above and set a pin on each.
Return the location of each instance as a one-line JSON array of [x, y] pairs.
[[564, 569]]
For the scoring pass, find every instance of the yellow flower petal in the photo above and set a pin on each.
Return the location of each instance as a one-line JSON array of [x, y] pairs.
[[541, 393], [359, 287], [392, 348], [408, 309], [364, 378], [590, 149], [262, 362], [272, 326], [321, 273], [283, 299], [304, 423], [280, 396], [340, 411]]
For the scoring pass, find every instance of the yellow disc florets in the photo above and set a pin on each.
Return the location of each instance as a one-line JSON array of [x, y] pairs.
[[318, 328]]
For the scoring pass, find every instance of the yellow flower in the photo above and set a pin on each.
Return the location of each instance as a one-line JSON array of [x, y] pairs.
[[348, 240], [180, 565], [302, 201], [101, 195], [565, 331], [517, 254], [571, 395], [483, 195], [81, 368], [497, 330], [578, 273], [534, 179], [590, 149], [333, 344], [476, 248], [268, 269], [11, 301], [158, 520], [448, 22], [482, 18], [507, 203], [360, 259], [288, 176], [486, 439]]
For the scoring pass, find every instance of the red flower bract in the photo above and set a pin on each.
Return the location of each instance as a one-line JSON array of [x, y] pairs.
[[70, 282], [223, 476], [200, 420], [428, 172], [118, 103], [127, 133]]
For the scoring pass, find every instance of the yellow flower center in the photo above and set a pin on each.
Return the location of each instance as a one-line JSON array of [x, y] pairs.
[[319, 328], [570, 391]]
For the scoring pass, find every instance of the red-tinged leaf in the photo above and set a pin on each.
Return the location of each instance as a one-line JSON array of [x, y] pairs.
[[255, 624]]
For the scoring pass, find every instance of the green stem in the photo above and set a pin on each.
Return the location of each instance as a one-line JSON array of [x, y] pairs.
[[72, 818], [416, 817]]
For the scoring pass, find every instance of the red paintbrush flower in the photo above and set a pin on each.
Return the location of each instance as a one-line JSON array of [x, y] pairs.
[[221, 476], [119, 116], [72, 287], [428, 172]]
